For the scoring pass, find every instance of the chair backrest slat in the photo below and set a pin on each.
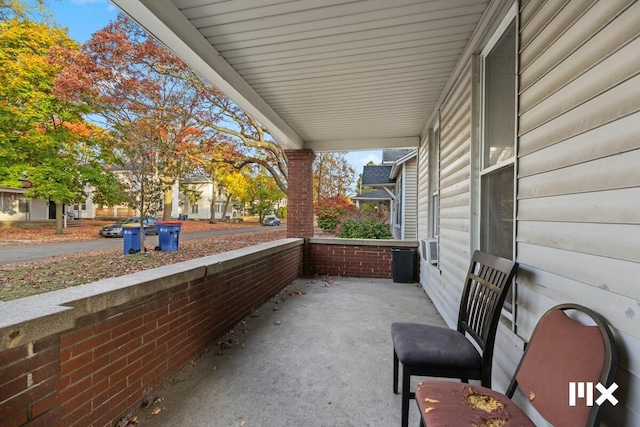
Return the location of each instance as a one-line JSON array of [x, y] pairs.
[[485, 290]]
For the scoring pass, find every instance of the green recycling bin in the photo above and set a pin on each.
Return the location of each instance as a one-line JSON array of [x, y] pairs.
[[131, 238], [168, 235]]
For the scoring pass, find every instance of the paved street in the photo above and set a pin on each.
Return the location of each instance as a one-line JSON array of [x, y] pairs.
[[21, 253]]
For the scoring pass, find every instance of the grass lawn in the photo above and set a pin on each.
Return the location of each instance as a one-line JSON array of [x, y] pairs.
[[25, 279]]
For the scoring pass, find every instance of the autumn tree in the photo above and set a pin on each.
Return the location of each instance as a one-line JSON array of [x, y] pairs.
[[237, 184], [263, 193], [133, 84], [18, 9], [254, 145], [332, 176], [43, 138], [329, 211], [124, 75]]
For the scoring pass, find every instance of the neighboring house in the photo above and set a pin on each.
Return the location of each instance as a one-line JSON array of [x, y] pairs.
[[405, 173], [195, 202], [394, 185], [15, 206], [380, 198], [195, 199]]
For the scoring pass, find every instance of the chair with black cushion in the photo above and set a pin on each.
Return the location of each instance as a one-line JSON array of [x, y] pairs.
[[426, 350], [562, 350]]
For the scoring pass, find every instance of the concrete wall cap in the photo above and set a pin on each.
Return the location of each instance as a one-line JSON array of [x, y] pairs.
[[27, 319], [364, 242]]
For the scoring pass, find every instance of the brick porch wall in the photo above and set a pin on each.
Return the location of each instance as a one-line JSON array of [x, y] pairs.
[[354, 258], [129, 339]]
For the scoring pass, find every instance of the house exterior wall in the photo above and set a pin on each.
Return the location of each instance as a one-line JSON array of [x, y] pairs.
[[423, 196], [203, 210], [398, 212], [10, 211], [410, 220], [407, 186], [39, 210], [577, 229], [444, 281]]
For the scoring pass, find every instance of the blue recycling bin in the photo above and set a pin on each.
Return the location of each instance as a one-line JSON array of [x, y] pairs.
[[168, 235], [131, 237]]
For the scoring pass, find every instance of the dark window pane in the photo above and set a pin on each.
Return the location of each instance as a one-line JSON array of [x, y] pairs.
[[500, 100], [496, 235]]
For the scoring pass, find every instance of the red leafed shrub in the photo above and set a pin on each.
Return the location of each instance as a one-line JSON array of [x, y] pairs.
[[330, 210]]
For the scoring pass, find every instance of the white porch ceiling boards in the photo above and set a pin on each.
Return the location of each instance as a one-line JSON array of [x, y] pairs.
[[321, 74]]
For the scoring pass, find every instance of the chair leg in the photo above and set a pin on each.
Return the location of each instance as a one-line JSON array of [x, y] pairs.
[[396, 363], [406, 395]]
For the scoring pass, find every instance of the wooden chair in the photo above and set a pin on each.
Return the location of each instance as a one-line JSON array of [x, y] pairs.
[[561, 350], [426, 350]]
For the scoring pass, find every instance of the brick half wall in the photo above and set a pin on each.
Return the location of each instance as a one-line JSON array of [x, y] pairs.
[[95, 351], [355, 257]]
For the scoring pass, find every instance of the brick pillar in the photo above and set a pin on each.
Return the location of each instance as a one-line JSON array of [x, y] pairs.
[[300, 194]]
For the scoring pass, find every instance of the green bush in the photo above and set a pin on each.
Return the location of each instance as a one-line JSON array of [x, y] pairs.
[[363, 226], [282, 212]]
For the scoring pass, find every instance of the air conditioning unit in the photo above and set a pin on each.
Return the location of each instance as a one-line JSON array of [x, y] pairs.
[[430, 250]]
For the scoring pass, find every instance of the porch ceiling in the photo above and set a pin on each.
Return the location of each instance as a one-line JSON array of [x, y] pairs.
[[321, 74]]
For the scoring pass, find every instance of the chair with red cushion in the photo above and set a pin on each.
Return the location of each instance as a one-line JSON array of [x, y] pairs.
[[434, 351], [561, 351]]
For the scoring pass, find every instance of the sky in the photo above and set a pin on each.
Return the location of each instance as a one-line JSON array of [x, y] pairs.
[[84, 17]]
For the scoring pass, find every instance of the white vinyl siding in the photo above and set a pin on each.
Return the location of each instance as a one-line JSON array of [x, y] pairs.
[[428, 273], [454, 185], [410, 224], [423, 191], [579, 184]]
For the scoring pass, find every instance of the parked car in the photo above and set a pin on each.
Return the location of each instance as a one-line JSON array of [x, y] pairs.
[[115, 230], [272, 220]]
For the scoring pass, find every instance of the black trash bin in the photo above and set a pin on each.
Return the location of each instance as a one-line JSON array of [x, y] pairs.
[[402, 264]]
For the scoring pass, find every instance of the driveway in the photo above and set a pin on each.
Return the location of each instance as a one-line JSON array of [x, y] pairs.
[[23, 253]]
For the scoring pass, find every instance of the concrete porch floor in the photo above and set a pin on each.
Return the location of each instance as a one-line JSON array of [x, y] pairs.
[[322, 358]]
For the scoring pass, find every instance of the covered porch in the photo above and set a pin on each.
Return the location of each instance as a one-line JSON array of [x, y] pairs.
[[545, 172], [319, 353], [525, 114]]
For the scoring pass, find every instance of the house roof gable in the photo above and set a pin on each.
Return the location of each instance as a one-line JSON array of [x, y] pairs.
[[376, 175]]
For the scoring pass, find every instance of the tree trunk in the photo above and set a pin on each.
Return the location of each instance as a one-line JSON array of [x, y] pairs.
[[226, 205], [212, 218], [59, 217], [168, 204]]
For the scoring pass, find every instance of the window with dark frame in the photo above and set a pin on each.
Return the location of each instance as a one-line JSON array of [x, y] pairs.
[[399, 203], [23, 204], [434, 182], [497, 149]]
